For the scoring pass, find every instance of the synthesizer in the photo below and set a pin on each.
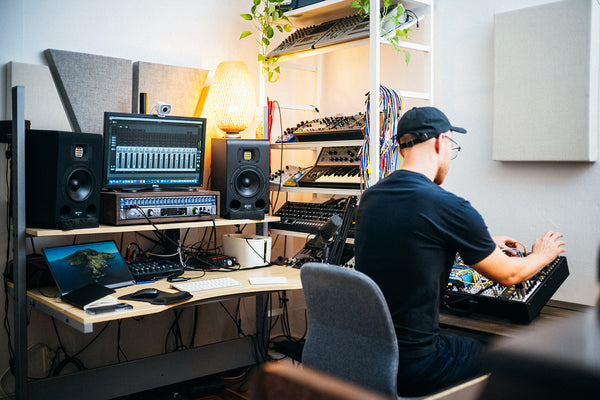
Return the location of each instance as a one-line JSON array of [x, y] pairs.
[[467, 292], [341, 30], [308, 217], [151, 269], [338, 127], [122, 208], [336, 167]]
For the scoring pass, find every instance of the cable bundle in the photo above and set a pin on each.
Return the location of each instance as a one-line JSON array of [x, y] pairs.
[[390, 104]]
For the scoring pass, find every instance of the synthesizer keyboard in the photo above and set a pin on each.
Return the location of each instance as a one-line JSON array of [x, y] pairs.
[[308, 217], [336, 167], [152, 269], [338, 127], [520, 303]]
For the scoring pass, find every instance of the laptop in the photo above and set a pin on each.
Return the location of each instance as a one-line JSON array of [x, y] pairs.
[[86, 272]]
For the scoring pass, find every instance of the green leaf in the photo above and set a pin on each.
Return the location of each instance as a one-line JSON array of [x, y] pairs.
[[266, 41], [245, 33], [253, 10], [287, 28], [261, 58], [270, 76], [271, 9], [256, 2], [277, 69], [387, 3], [276, 15], [279, 28], [247, 17], [356, 4], [406, 57], [269, 33]]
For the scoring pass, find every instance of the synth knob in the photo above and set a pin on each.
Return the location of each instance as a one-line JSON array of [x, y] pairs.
[[150, 213]]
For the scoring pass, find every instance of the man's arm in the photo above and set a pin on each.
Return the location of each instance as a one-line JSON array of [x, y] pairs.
[[508, 271]]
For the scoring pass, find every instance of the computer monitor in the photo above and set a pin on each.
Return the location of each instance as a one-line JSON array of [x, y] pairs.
[[148, 152]]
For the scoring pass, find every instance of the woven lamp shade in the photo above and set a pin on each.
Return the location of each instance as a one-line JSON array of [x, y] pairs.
[[234, 95]]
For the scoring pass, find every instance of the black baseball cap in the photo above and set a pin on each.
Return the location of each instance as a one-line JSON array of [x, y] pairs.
[[426, 123]]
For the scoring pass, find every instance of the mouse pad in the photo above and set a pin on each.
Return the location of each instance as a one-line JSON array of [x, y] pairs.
[[161, 297]]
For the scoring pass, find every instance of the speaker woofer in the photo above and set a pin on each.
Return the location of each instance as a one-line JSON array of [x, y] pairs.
[[247, 183], [80, 184]]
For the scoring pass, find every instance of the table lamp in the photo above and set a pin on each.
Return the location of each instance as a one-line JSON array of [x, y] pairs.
[[234, 97]]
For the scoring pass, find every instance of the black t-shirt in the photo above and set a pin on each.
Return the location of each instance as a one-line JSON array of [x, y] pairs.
[[408, 231]]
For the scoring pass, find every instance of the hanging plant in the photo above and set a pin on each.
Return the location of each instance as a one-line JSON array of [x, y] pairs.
[[395, 15], [267, 16]]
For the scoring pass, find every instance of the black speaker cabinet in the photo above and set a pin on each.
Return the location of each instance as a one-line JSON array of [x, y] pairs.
[[240, 171], [62, 179]]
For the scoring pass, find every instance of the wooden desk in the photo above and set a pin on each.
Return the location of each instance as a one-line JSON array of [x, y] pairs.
[[486, 327], [163, 369], [82, 321]]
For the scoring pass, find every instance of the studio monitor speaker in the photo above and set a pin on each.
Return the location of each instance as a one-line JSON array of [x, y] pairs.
[[62, 179], [240, 171]]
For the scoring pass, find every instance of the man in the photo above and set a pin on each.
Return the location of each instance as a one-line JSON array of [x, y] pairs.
[[408, 231]]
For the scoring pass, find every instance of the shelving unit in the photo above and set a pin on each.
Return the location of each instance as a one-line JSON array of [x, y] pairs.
[[329, 10]]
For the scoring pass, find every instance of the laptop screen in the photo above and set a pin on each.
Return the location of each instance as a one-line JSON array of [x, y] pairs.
[[79, 265]]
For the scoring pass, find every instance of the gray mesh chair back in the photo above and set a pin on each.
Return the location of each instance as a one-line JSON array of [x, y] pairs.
[[350, 329]]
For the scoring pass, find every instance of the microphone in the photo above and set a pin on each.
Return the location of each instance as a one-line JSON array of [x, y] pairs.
[[326, 232]]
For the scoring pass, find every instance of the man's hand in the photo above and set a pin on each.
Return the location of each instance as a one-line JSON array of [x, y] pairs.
[[549, 245], [506, 244]]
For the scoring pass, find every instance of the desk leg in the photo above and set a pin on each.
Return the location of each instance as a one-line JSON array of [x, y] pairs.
[[262, 327]]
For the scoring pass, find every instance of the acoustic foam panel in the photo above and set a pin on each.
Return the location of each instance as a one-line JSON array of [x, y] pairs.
[[180, 87], [42, 103], [89, 85], [546, 82]]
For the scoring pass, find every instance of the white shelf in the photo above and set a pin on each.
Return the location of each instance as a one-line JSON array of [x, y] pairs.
[[296, 189], [303, 235], [333, 9], [315, 145]]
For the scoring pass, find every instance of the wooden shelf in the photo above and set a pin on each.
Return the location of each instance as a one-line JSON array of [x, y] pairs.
[[43, 232]]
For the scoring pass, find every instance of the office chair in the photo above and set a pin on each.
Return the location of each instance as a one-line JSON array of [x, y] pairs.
[[351, 334], [350, 330]]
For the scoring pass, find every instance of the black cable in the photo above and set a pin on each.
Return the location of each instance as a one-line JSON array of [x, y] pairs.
[[193, 337], [273, 204], [119, 348]]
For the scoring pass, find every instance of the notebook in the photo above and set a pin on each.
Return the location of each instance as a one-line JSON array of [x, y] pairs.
[[86, 272]]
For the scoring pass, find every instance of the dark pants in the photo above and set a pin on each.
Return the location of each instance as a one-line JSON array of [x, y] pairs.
[[456, 360]]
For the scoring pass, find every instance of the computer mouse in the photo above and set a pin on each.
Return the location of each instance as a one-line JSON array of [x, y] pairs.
[[147, 293]]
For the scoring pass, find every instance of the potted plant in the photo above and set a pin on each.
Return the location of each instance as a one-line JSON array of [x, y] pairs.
[[267, 16]]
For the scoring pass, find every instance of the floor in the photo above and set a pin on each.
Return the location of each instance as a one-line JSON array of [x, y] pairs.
[[232, 385]]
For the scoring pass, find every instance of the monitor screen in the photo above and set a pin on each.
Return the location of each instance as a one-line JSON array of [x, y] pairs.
[[148, 152]]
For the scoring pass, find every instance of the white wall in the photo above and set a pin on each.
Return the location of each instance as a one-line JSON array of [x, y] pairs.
[[518, 199]]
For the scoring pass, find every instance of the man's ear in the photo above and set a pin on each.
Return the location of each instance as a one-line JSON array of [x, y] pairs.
[[438, 143]]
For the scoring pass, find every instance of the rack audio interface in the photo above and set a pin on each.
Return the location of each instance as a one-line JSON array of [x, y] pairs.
[[123, 208]]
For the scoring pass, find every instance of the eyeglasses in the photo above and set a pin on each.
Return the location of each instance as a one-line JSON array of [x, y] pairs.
[[455, 148]]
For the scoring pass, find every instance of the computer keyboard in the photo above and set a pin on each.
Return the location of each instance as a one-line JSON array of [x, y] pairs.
[[206, 284]]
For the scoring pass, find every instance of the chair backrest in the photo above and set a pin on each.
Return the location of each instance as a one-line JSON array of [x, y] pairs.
[[350, 330]]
